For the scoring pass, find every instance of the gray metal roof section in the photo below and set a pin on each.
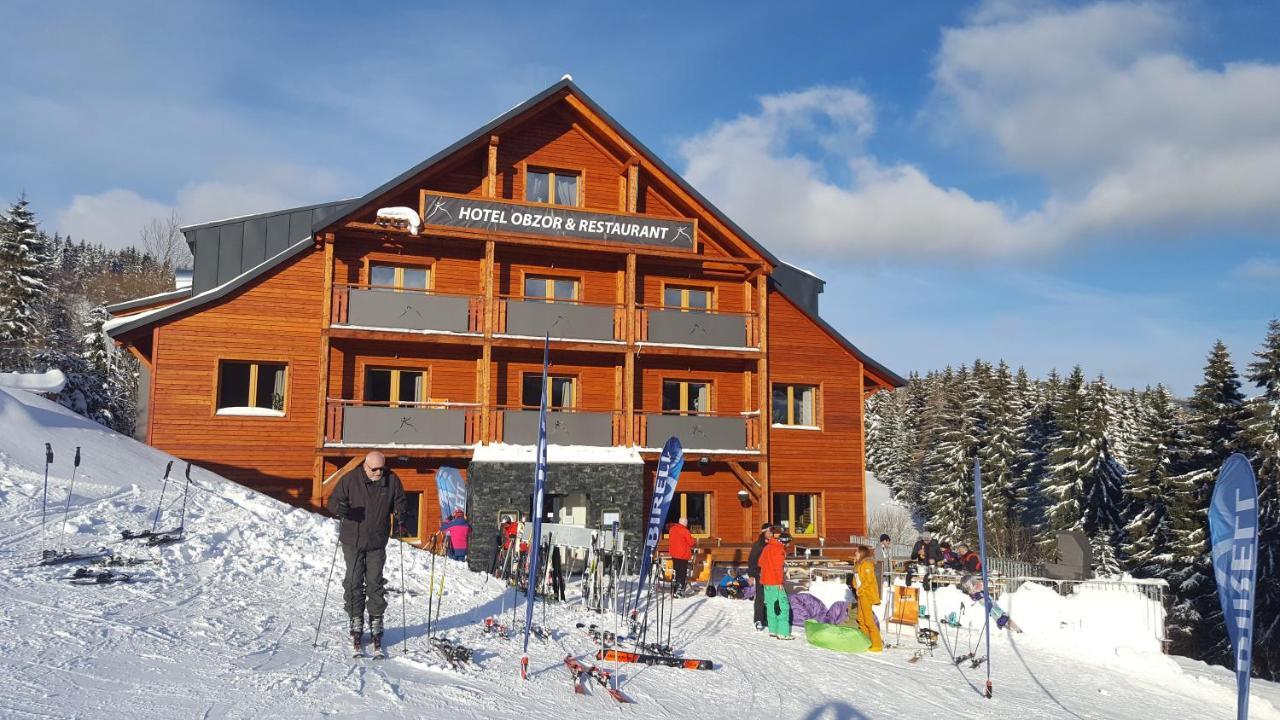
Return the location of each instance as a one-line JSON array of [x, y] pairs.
[[801, 286], [208, 296], [167, 296], [225, 249]]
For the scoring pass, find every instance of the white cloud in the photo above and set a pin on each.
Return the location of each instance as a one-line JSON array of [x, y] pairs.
[[115, 217], [1129, 139], [1259, 268]]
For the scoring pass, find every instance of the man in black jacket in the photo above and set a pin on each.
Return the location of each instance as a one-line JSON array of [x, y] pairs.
[[753, 569], [925, 555], [364, 500]]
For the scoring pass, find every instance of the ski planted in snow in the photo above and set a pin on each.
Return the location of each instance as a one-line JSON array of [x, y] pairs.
[[579, 673], [612, 654], [603, 677]]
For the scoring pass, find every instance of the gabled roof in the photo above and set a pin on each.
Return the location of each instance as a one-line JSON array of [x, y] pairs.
[[324, 215]]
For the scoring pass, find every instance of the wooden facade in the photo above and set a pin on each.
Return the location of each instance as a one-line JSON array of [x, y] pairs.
[[621, 305]]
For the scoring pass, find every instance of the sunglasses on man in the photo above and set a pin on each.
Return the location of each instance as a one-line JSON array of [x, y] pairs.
[[378, 469]]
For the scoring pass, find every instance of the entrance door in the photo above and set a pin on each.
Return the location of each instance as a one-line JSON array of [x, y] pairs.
[[570, 509]]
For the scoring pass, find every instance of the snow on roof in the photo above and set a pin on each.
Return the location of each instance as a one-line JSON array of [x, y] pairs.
[[400, 212], [584, 454], [50, 381], [810, 273]]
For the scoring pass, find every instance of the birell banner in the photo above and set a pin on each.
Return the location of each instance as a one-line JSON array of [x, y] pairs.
[[1233, 530], [558, 222], [664, 489], [451, 491]]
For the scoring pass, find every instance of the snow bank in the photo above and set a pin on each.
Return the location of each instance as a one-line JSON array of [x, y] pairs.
[[50, 381], [1101, 618], [401, 213]]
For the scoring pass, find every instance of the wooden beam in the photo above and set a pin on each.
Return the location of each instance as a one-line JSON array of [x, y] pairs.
[[351, 464], [764, 396], [491, 169], [629, 361], [322, 382], [633, 186], [136, 353], [151, 391], [747, 480]]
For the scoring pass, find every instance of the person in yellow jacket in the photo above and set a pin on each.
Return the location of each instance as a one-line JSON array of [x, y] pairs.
[[868, 595]]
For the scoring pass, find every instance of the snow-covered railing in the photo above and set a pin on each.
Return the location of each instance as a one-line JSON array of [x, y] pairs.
[[1014, 568]]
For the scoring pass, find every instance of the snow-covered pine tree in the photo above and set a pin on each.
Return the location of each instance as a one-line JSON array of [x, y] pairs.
[[999, 454], [1040, 401], [1103, 506], [1264, 433], [948, 490], [1149, 547], [1064, 483], [1218, 417], [23, 268]]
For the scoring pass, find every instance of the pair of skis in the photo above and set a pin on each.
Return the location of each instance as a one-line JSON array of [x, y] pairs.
[[86, 576], [457, 655], [615, 655], [582, 673], [154, 536]]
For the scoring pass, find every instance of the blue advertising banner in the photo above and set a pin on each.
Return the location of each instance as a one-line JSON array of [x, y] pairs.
[[539, 489], [664, 489], [1233, 530], [451, 491]]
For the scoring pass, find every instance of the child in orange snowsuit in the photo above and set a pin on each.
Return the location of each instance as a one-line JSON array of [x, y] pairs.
[[868, 597]]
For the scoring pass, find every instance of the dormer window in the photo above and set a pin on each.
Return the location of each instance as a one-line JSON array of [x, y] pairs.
[[553, 187]]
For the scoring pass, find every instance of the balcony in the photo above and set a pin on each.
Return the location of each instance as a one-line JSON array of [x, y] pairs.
[[670, 326], [370, 424], [703, 431], [519, 426], [561, 319], [365, 306]]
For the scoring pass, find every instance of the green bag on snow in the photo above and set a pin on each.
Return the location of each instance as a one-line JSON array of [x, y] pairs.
[[836, 637]]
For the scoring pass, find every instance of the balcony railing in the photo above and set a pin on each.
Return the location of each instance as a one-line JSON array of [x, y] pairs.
[[700, 431], [405, 309], [429, 424], [453, 425], [597, 428], [562, 319], [675, 326]]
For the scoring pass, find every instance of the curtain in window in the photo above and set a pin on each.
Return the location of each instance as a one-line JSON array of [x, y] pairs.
[[700, 397], [566, 189], [564, 394], [536, 189], [277, 390], [804, 406], [780, 404]]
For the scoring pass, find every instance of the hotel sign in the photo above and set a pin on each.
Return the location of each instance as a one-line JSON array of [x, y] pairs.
[[558, 222]]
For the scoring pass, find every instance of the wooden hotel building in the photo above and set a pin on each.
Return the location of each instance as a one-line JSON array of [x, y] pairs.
[[411, 320]]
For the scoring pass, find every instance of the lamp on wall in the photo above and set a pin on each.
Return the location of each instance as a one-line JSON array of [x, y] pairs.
[[744, 498], [703, 462]]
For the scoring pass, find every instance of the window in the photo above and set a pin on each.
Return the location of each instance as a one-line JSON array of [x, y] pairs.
[[687, 397], [562, 393], [251, 388], [686, 298], [412, 514], [795, 405], [695, 506], [797, 513], [394, 386], [550, 288], [557, 187], [399, 277]]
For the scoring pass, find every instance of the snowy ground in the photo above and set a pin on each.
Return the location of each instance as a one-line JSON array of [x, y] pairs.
[[225, 627]]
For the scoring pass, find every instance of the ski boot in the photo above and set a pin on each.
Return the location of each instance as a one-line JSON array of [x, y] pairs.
[[356, 629], [375, 629]]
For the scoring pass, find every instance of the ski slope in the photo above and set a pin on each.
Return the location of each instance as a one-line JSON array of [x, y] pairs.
[[224, 622]]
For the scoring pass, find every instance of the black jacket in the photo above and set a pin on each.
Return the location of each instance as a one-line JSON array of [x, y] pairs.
[[365, 508], [753, 558], [931, 551]]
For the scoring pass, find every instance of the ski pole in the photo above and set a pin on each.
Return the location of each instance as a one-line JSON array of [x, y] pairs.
[[328, 581], [62, 534], [404, 614], [44, 501], [160, 503], [182, 517], [431, 582]]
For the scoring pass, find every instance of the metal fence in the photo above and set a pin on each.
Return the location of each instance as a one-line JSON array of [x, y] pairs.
[[1149, 589]]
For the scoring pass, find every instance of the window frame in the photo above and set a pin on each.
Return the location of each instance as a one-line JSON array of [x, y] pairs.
[[400, 263], [684, 288], [817, 504], [574, 382], [551, 172], [684, 395], [395, 371], [422, 498], [683, 511], [253, 376], [550, 278], [791, 425]]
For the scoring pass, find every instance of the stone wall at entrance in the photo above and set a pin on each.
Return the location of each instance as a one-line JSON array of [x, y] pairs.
[[495, 488]]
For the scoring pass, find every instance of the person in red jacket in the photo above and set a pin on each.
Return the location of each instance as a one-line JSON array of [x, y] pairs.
[[969, 560], [680, 545], [773, 560]]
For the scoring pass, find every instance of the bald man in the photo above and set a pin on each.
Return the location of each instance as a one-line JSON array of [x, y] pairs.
[[364, 501]]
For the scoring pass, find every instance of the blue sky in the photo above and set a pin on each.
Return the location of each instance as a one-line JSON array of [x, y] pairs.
[[1092, 183]]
